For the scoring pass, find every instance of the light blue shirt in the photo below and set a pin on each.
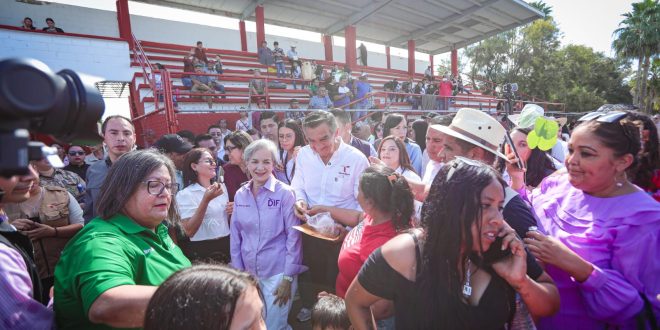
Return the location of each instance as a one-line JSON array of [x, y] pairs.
[[415, 154], [317, 102]]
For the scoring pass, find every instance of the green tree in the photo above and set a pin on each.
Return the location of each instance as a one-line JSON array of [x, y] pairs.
[[524, 55], [638, 38], [533, 57]]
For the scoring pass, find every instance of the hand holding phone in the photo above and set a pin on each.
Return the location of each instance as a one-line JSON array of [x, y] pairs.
[[495, 252], [519, 162]]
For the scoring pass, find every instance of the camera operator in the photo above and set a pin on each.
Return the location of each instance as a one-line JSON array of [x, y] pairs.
[[49, 218], [119, 136], [19, 283], [67, 107]]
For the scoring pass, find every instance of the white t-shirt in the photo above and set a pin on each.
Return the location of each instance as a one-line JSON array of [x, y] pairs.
[[335, 183], [214, 225], [432, 169]]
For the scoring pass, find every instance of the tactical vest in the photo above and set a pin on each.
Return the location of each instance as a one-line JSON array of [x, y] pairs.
[[54, 212]]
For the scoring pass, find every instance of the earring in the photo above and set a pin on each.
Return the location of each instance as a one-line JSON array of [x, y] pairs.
[[618, 181]]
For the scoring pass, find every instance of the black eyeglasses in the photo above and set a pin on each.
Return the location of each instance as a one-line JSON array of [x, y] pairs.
[[462, 161], [230, 148], [604, 117], [74, 153], [156, 188]]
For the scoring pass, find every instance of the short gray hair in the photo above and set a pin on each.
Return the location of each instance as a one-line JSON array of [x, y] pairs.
[[316, 118], [259, 145], [124, 178]]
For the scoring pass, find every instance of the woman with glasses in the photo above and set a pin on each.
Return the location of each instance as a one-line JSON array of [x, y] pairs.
[[263, 240], [291, 139], [108, 272], [452, 273], [202, 205], [236, 169], [598, 234]]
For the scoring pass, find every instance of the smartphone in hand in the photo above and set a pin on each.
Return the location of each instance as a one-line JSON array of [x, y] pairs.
[[495, 252], [519, 163]]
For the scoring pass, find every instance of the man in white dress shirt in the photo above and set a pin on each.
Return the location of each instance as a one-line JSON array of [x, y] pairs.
[[327, 169], [327, 173]]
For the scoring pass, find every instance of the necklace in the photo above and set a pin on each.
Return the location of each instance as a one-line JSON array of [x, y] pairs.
[[467, 289]]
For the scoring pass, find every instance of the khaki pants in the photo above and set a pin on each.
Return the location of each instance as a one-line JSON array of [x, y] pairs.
[[201, 88]]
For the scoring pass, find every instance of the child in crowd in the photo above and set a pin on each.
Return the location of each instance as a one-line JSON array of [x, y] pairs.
[[329, 313]]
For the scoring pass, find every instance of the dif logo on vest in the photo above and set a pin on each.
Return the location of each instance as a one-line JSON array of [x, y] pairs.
[[273, 202]]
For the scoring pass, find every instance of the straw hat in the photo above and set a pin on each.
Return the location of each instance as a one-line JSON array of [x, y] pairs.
[[477, 128], [527, 116]]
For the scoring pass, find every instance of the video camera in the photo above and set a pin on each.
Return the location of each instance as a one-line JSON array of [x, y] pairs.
[[35, 99], [508, 92]]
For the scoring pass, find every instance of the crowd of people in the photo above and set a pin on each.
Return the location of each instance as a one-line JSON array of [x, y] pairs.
[[393, 223]]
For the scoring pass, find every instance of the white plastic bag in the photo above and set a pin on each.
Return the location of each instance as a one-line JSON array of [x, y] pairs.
[[323, 223]]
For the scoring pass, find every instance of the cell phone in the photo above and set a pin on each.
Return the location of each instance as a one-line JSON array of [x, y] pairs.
[[495, 252], [519, 163]]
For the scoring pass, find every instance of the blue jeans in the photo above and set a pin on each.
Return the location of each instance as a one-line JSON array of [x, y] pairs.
[[281, 73]]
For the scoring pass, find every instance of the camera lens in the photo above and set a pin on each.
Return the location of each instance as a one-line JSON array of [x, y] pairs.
[[28, 88], [60, 104]]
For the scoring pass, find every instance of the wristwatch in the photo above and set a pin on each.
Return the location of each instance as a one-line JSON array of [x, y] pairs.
[[288, 278]]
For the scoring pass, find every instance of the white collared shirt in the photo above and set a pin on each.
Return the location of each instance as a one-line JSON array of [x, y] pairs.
[[335, 183], [432, 169], [214, 225], [408, 174]]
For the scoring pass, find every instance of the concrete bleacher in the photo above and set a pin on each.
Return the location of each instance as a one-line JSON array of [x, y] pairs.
[[237, 66]]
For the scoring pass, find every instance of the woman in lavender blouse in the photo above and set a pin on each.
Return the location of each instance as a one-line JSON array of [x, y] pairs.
[[598, 234], [262, 239]]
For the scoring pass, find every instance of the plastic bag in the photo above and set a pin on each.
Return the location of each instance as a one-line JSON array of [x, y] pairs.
[[323, 223]]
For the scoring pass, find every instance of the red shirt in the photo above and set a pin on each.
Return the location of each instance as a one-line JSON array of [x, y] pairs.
[[445, 88], [357, 246], [234, 179]]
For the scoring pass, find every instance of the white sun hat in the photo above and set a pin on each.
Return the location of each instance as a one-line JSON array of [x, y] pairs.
[[477, 128]]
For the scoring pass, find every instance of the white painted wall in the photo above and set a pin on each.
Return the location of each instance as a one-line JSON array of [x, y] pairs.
[[72, 19], [106, 59]]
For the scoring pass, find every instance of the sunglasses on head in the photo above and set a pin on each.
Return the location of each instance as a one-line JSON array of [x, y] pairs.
[[460, 162], [604, 117]]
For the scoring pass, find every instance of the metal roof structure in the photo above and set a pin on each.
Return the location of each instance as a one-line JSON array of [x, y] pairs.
[[437, 26]]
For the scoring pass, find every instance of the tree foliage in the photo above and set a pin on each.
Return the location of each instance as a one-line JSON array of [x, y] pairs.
[[638, 39], [533, 57]]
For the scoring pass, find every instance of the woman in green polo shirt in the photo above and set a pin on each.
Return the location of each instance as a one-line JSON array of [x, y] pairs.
[[110, 269]]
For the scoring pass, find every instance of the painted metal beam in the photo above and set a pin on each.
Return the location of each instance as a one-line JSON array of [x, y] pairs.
[[357, 17]]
